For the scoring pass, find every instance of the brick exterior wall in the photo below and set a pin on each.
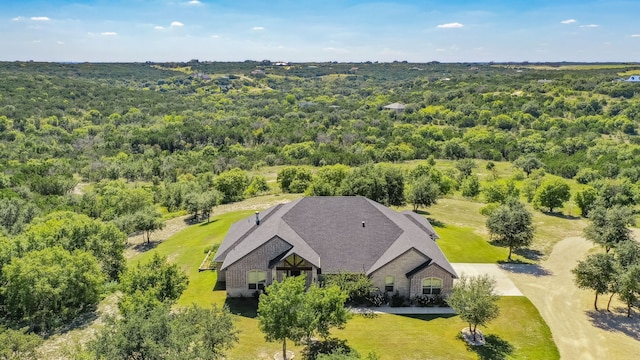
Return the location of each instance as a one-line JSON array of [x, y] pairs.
[[431, 271], [398, 269], [236, 274]]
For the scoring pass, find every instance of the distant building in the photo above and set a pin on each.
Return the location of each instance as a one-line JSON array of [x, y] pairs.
[[258, 72], [202, 76], [395, 106], [633, 78], [545, 81], [304, 104]]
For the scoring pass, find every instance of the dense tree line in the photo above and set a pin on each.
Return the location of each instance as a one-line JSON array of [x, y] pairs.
[[90, 153]]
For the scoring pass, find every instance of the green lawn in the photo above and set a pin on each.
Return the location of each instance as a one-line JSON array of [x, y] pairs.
[[519, 332], [463, 245], [461, 219], [186, 248]]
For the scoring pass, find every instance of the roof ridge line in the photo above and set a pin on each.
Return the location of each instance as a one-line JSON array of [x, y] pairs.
[[255, 226]]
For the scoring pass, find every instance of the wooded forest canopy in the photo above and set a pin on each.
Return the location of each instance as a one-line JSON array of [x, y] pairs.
[[152, 138]]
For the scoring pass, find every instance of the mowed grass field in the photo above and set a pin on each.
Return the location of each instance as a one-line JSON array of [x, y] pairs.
[[519, 332]]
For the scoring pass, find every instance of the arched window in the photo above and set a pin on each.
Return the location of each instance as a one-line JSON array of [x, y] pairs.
[[431, 286], [388, 284], [256, 279]]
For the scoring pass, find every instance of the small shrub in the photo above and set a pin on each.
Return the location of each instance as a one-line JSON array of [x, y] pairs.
[[429, 301], [397, 300], [489, 208], [421, 300], [213, 248], [357, 286], [377, 299], [440, 300]]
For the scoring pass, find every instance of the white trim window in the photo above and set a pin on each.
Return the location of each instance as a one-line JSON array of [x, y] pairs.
[[256, 279], [388, 283], [431, 286]]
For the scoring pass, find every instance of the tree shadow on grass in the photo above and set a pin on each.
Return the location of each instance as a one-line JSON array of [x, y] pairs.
[[524, 268], [205, 223], [496, 348], [616, 321], [561, 215], [81, 322], [146, 246], [530, 254], [246, 307]]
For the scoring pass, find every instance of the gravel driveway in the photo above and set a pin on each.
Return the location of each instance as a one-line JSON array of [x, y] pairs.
[[578, 330]]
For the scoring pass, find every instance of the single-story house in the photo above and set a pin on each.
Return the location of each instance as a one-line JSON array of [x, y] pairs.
[[395, 106], [313, 236]]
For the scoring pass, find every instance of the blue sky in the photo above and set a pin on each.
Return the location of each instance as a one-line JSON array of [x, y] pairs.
[[328, 30]]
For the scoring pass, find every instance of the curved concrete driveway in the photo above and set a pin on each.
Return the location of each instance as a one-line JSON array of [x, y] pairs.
[[504, 285]]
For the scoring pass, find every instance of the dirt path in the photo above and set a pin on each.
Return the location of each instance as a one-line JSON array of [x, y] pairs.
[[578, 331]]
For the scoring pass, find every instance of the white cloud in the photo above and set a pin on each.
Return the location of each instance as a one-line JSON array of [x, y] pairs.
[[441, 50], [569, 21], [257, 28], [176, 24], [159, 27], [453, 25], [636, 35], [40, 18], [17, 18], [60, 42], [109, 33], [336, 50], [215, 36], [194, 2], [590, 26]]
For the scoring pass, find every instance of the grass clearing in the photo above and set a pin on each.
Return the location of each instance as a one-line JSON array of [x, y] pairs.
[[187, 249], [463, 236], [519, 332], [463, 245], [463, 220]]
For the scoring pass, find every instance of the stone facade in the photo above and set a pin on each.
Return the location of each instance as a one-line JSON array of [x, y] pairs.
[[236, 274], [434, 271], [398, 268]]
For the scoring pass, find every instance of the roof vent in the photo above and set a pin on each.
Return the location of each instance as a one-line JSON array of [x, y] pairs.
[[257, 218], [363, 224]]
